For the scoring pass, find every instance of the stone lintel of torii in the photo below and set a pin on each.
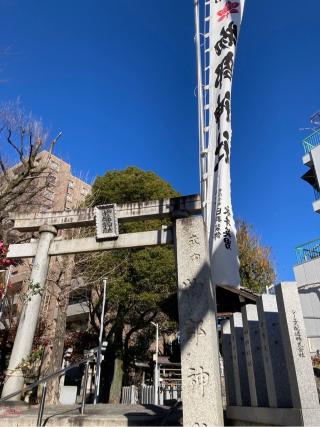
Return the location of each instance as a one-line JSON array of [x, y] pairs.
[[87, 217], [125, 212], [196, 296]]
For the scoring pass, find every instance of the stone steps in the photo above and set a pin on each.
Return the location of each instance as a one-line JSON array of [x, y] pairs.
[[95, 415]]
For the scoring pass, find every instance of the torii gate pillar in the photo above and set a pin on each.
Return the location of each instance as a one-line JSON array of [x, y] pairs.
[[29, 317]]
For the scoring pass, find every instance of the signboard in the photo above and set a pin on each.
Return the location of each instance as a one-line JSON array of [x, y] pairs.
[[106, 222]]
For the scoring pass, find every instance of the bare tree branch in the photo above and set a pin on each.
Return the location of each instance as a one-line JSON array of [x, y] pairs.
[[24, 172]]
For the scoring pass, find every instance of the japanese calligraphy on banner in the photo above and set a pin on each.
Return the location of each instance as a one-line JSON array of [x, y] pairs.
[[224, 25]]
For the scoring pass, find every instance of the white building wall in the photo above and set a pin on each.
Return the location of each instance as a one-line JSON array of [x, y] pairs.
[[307, 276], [315, 156]]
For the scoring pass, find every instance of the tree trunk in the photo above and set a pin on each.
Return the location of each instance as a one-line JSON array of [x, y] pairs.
[[55, 327], [116, 385]]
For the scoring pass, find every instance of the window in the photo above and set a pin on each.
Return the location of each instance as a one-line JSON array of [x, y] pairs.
[[52, 179], [54, 165], [49, 194], [45, 209], [84, 191], [78, 296]]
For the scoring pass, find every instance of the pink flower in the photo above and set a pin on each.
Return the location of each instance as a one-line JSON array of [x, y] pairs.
[[230, 7]]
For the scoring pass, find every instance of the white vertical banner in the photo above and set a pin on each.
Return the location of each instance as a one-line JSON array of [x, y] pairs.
[[224, 26]]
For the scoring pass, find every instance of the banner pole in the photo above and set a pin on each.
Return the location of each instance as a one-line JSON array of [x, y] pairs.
[[202, 151]]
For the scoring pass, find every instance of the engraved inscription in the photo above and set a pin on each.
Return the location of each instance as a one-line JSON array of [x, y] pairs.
[[194, 240], [195, 257], [195, 330], [199, 379], [297, 335], [106, 222]]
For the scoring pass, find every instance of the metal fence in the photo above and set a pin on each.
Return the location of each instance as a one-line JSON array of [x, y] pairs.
[[308, 251], [144, 395], [311, 141]]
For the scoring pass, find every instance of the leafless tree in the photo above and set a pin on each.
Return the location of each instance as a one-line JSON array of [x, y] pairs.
[[25, 152], [23, 170]]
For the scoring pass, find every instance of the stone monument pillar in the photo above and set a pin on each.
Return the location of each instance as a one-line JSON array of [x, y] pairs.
[[275, 366], [228, 363], [240, 372], [254, 359], [301, 377], [30, 313], [201, 385]]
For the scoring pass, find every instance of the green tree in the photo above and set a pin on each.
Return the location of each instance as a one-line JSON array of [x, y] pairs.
[[256, 269], [138, 279]]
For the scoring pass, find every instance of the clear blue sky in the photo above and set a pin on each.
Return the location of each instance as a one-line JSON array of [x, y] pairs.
[[118, 78]]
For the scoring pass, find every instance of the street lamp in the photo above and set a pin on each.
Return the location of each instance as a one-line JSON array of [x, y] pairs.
[[156, 371]]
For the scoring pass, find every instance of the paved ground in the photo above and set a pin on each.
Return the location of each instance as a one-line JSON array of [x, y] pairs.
[[95, 415]]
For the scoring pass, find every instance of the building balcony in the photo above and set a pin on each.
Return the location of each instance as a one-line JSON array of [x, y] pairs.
[[78, 312], [308, 251], [311, 141], [307, 269], [311, 159]]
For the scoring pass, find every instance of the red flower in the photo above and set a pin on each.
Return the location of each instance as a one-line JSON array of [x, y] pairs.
[[4, 261], [230, 7]]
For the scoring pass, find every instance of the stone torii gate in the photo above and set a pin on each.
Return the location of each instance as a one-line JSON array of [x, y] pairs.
[[201, 388]]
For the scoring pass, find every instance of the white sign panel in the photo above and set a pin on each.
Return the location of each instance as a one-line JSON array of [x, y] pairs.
[[225, 19]]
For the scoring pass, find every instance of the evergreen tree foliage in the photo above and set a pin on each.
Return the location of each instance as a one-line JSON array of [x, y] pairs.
[[138, 279]]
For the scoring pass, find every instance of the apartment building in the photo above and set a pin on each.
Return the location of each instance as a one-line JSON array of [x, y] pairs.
[[59, 190], [66, 191], [307, 269]]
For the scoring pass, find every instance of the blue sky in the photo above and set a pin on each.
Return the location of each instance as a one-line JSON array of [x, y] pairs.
[[118, 78]]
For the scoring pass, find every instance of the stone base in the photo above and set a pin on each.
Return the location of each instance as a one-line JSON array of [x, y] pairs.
[[272, 416]]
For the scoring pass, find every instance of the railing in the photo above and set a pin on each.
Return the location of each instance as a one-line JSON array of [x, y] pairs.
[[311, 141], [308, 251], [47, 378], [316, 193]]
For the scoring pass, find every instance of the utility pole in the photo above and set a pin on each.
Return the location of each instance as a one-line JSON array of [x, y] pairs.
[[156, 368], [99, 355]]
